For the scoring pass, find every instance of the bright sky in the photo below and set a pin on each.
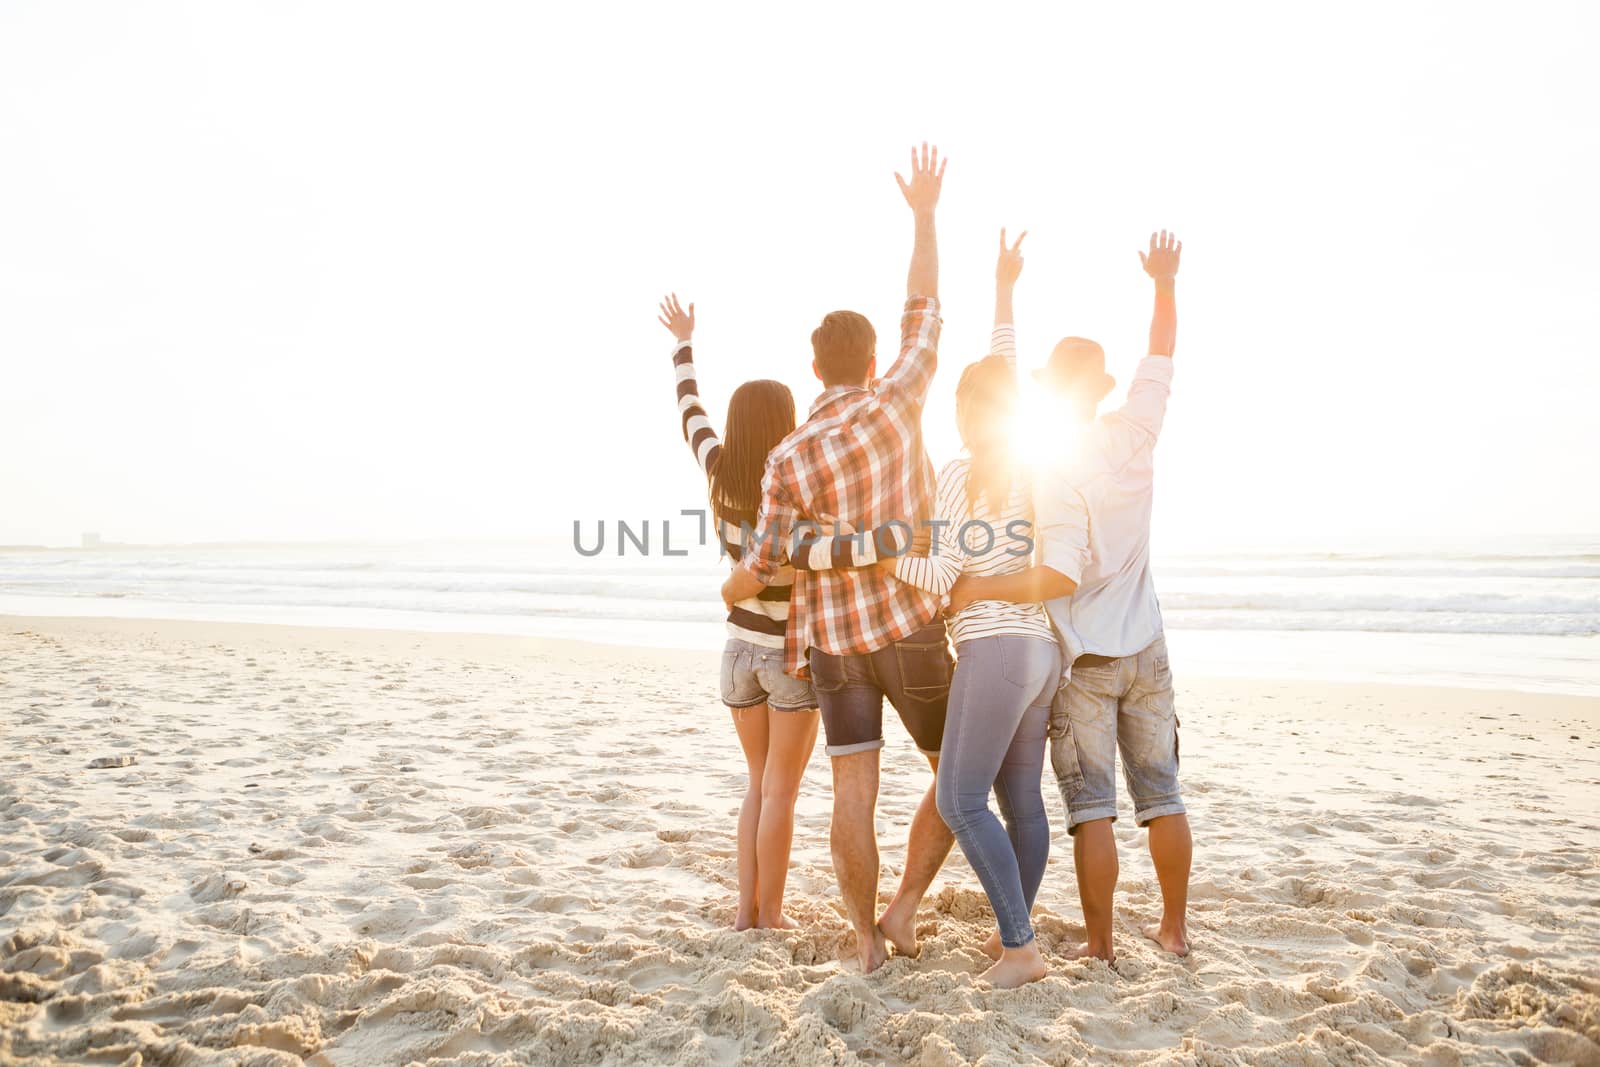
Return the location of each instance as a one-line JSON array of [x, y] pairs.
[[337, 270]]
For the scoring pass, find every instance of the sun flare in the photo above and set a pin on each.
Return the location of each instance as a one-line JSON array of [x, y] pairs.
[[1039, 431]]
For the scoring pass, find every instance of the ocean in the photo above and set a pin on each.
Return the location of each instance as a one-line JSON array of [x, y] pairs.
[[1522, 617]]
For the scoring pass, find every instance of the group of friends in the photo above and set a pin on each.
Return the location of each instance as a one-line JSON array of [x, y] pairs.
[[854, 571]]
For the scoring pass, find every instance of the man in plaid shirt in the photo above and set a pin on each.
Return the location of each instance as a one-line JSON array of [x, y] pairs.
[[859, 457]]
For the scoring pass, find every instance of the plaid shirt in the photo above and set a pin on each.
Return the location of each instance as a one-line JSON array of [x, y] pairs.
[[858, 457]]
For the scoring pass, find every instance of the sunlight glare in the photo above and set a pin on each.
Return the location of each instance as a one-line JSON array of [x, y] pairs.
[[1040, 433]]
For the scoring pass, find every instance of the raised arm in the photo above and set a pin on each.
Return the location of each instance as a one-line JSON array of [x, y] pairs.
[[922, 194], [1003, 341], [1006, 272], [1161, 263], [1134, 427], [913, 369], [697, 430]]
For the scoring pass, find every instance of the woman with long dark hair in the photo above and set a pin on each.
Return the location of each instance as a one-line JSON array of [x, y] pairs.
[[1008, 662], [775, 714]]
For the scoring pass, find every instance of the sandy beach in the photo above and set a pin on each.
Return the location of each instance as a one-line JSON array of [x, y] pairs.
[[357, 847]]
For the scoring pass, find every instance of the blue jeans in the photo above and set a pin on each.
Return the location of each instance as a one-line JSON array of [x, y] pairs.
[[994, 737]]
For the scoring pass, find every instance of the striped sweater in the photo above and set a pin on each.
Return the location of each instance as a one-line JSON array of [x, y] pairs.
[[761, 619]]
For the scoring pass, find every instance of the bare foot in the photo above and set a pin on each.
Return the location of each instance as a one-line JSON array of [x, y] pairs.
[[1093, 951], [992, 947], [742, 921], [871, 951], [1017, 966], [1175, 942], [782, 922], [901, 929]]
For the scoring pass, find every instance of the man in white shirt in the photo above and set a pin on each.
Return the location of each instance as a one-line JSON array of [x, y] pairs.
[[1118, 690]]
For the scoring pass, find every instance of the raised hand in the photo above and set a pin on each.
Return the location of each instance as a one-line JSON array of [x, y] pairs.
[[1009, 267], [674, 318], [927, 175], [1161, 263]]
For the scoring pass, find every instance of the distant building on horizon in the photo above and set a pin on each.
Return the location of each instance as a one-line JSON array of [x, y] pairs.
[[91, 540]]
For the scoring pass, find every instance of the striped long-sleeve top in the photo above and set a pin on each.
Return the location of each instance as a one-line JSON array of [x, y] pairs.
[[982, 541], [761, 619]]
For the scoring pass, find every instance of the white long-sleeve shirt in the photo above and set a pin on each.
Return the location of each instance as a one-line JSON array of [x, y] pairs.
[[1110, 474]]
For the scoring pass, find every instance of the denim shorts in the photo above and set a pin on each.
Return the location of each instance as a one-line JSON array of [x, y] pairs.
[[1123, 706], [914, 673], [753, 674]]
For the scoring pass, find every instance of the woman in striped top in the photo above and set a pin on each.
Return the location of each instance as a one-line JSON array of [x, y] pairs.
[[774, 714], [1008, 661]]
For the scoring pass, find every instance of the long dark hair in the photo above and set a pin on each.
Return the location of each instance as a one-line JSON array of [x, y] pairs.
[[760, 414], [986, 400]]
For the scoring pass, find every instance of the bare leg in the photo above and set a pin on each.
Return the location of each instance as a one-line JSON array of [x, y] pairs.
[[751, 723], [854, 840], [1094, 854], [926, 849], [791, 737], [1171, 847]]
